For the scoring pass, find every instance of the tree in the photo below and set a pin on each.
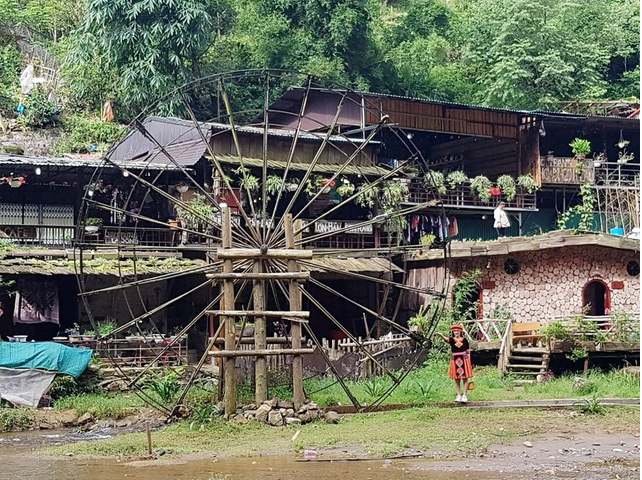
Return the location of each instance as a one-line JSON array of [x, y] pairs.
[[153, 46]]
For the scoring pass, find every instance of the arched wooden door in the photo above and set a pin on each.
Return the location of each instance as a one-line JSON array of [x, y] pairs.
[[596, 298]]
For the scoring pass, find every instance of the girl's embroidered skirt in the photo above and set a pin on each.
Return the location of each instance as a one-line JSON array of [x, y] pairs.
[[460, 366]]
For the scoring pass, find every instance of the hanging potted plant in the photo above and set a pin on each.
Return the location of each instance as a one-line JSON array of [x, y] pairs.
[[292, 184], [393, 194], [506, 184], [274, 184], [326, 184], [367, 196], [346, 188], [456, 178], [181, 187], [526, 183], [435, 180], [480, 186]]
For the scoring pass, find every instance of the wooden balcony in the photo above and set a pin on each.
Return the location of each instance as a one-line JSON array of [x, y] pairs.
[[567, 170], [463, 197]]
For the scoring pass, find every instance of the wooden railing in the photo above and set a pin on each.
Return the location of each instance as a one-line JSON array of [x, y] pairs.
[[56, 236], [486, 330], [567, 170], [463, 197]]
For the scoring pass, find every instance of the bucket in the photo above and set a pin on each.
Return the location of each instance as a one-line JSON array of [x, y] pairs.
[[617, 231]]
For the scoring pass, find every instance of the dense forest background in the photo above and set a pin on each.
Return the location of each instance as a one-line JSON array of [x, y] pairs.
[[502, 53]]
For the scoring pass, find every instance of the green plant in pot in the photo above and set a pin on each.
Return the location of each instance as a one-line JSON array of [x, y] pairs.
[[580, 147], [506, 184], [106, 328], [456, 178], [274, 184], [526, 183], [436, 181], [92, 224], [480, 186]]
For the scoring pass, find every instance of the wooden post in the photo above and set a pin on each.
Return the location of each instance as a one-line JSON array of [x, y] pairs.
[[260, 340], [295, 304], [229, 364]]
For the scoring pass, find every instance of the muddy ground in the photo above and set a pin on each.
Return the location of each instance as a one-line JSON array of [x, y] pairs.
[[603, 454]]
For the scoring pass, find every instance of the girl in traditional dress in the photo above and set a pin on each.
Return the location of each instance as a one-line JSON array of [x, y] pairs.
[[460, 366]]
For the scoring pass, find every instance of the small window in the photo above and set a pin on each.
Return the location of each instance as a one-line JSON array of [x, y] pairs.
[[511, 266], [633, 268]]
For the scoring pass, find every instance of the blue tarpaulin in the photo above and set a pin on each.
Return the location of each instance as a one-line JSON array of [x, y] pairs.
[[45, 356]]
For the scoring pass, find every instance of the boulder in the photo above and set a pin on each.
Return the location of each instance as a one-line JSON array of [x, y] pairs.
[[275, 418], [331, 417]]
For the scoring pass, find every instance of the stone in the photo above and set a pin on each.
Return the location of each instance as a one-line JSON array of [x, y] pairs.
[[85, 419], [285, 404], [239, 418], [275, 418], [272, 403], [332, 417], [69, 419], [292, 420], [528, 444], [304, 417], [262, 413], [289, 412]]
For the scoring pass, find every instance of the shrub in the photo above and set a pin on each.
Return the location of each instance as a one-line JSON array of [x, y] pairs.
[[40, 112], [84, 135]]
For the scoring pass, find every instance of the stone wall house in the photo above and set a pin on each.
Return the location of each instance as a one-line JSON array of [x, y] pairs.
[[541, 278]]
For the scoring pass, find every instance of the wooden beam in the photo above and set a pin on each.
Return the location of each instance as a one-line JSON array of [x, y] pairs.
[[258, 313], [255, 253], [260, 341], [260, 276], [296, 304], [260, 352], [229, 365]]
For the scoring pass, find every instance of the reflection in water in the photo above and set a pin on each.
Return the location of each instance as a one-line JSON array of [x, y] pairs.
[[252, 468]]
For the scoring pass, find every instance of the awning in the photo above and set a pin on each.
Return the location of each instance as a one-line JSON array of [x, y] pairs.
[[299, 166], [365, 266]]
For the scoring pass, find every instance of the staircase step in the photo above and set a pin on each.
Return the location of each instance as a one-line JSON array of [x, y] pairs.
[[526, 366], [526, 358], [522, 350], [526, 373]]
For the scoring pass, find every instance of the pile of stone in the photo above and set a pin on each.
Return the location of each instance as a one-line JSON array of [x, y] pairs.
[[277, 412]]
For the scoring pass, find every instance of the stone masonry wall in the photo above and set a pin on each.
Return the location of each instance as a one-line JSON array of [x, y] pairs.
[[550, 282]]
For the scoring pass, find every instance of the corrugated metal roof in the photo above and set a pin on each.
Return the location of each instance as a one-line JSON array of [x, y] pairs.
[[289, 133], [321, 168], [297, 92], [78, 162]]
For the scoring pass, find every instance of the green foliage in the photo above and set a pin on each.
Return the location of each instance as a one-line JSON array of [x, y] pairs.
[[456, 178], [16, 419], [465, 300], [197, 214], [165, 385], [506, 184], [591, 406], [480, 186], [100, 405], [580, 146], [367, 196], [274, 184], [106, 327], [39, 112], [84, 135], [202, 415], [435, 180], [527, 183], [375, 387], [584, 211]]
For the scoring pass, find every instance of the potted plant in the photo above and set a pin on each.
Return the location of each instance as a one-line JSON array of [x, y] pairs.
[[182, 187], [346, 188], [526, 183], [580, 147], [292, 184], [506, 184], [274, 184], [367, 196], [456, 178], [393, 194], [480, 186], [92, 224], [435, 180], [427, 239], [197, 214], [106, 328]]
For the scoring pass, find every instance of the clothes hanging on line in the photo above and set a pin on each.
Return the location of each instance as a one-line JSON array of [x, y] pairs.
[[441, 226]]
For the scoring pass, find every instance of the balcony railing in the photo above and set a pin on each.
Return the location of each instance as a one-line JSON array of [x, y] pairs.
[[567, 170], [463, 197], [64, 237]]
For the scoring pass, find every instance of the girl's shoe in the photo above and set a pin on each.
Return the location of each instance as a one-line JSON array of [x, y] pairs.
[[464, 399], [458, 399]]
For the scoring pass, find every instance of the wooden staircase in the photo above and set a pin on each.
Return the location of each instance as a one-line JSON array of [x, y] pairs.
[[524, 352]]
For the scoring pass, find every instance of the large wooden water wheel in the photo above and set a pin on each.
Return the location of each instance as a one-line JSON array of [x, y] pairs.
[[243, 200]]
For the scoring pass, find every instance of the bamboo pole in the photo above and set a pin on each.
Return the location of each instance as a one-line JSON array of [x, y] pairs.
[[229, 365], [295, 305], [255, 276], [260, 341]]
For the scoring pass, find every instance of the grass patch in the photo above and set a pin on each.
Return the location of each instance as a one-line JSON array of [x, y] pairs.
[[101, 406], [430, 429], [16, 419], [431, 384]]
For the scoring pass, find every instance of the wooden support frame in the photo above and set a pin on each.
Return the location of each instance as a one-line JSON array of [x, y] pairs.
[[229, 364], [301, 276], [260, 313], [256, 253], [260, 352]]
